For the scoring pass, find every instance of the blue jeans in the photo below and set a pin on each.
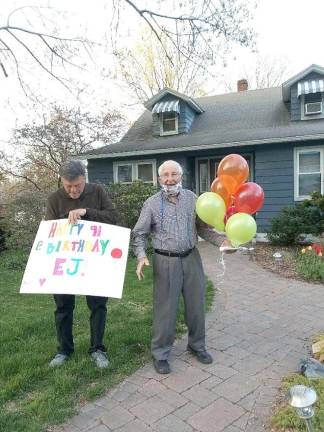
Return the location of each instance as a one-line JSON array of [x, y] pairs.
[[65, 304]]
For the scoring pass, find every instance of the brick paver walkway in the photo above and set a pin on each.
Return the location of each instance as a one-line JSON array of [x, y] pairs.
[[258, 329]]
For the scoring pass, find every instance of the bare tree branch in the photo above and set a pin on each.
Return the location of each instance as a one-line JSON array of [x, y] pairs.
[[41, 148], [47, 49]]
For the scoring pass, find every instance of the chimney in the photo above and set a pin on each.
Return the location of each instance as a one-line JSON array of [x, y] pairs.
[[242, 85]]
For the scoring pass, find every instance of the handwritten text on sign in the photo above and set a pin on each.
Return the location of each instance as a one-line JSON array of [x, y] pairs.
[[87, 258]]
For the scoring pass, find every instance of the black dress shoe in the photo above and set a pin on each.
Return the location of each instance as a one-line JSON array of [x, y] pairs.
[[161, 366], [202, 356]]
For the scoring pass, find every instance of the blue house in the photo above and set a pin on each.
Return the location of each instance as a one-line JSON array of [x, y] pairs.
[[279, 130]]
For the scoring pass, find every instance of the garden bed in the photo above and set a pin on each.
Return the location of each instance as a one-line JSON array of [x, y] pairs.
[[286, 267]]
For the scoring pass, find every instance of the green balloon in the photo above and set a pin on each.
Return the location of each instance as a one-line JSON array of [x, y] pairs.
[[219, 226], [240, 228], [210, 207]]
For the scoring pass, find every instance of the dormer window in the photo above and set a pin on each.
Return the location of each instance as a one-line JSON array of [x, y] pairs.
[[311, 99], [168, 112], [168, 123]]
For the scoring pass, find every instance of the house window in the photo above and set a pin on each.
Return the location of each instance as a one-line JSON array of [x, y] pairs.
[[124, 173], [145, 172], [203, 176], [312, 106], [127, 172], [309, 172], [168, 123]]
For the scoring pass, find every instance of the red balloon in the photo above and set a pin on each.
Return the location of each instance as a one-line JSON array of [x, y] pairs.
[[220, 188], [230, 211], [235, 166], [249, 198]]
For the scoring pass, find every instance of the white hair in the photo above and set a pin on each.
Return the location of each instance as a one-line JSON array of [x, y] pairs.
[[179, 167]]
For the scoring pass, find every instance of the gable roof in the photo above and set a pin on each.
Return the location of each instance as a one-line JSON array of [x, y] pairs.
[[298, 77], [235, 119], [191, 102]]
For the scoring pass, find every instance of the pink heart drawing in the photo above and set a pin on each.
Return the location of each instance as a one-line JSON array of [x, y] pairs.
[[42, 281]]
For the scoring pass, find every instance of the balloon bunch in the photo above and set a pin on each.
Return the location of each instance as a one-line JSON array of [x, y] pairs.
[[232, 201]]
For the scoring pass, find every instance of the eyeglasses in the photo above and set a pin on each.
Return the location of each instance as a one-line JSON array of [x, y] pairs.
[[168, 175]]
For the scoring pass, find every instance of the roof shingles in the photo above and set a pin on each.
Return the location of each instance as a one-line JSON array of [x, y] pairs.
[[234, 118]]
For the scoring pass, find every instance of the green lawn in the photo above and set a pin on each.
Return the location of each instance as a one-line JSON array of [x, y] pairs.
[[33, 396]]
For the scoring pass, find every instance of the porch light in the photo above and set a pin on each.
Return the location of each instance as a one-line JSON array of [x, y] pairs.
[[302, 398]]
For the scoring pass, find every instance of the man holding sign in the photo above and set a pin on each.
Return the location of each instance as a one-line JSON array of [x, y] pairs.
[[170, 217], [75, 200]]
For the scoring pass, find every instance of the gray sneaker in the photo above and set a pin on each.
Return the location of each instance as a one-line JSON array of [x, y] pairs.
[[58, 360], [100, 358]]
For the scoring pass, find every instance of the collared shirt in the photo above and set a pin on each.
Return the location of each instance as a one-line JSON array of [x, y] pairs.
[[172, 226]]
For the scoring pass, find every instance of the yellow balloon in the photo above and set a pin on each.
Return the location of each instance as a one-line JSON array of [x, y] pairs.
[[211, 208], [240, 228]]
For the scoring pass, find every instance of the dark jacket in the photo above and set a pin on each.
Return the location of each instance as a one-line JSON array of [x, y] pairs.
[[94, 199]]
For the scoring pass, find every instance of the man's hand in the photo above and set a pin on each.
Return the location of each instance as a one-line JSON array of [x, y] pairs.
[[75, 215], [227, 247], [140, 264]]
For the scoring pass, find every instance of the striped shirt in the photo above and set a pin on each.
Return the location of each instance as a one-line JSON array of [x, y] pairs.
[[173, 227]]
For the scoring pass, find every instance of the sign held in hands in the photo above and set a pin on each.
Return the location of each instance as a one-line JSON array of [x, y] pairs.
[[88, 258]]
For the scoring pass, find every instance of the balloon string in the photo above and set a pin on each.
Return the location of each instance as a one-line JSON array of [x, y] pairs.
[[222, 263]]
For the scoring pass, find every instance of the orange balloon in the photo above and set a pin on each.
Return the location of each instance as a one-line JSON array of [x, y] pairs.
[[235, 166], [218, 187], [230, 183]]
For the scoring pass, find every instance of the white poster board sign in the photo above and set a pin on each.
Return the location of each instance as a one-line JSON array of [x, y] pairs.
[[88, 258]]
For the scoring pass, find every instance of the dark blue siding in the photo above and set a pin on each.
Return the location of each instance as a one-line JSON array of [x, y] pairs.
[[186, 117], [294, 104], [274, 172], [100, 171]]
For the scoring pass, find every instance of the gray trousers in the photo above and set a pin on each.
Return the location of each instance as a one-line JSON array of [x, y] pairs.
[[173, 276]]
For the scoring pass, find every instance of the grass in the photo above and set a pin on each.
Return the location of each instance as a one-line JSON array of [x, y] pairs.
[[32, 396]]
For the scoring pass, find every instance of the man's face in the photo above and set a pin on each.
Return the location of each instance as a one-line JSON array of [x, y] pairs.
[[74, 188], [170, 175]]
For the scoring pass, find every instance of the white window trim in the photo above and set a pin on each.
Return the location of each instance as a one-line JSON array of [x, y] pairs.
[[304, 116], [134, 164], [220, 157], [297, 152], [175, 131]]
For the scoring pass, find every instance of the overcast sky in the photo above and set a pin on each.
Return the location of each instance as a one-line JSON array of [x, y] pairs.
[[288, 30]]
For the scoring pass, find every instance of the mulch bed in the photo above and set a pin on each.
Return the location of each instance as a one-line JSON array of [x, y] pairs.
[[263, 256]]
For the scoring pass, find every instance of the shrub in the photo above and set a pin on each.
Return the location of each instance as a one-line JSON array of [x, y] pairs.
[[293, 223], [25, 211], [129, 199], [22, 217]]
